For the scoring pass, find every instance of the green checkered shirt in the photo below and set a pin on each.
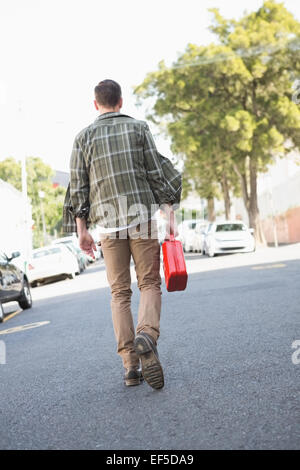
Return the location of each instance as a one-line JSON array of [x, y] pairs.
[[117, 174]]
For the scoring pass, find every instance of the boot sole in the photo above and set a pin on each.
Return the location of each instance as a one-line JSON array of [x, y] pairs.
[[151, 367], [132, 382]]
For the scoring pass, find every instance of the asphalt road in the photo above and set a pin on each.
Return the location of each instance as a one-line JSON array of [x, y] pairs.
[[226, 349]]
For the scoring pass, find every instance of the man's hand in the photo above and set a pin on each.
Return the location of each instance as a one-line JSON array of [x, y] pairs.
[[87, 244], [171, 227], [85, 239]]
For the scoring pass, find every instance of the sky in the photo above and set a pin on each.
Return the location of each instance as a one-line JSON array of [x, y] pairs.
[[54, 52]]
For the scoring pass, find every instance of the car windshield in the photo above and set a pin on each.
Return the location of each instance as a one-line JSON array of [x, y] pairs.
[[50, 251], [230, 228], [55, 250]]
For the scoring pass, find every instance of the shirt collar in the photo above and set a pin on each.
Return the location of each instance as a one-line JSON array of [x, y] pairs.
[[109, 114]]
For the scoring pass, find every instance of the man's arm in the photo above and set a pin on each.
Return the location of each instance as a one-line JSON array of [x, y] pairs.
[[155, 175], [79, 194], [157, 182], [79, 182]]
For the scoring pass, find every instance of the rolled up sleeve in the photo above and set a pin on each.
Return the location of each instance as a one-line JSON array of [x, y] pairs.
[[155, 175], [79, 183]]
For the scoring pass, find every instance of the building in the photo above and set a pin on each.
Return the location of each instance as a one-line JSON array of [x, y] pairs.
[[60, 178], [279, 200], [14, 225], [278, 193]]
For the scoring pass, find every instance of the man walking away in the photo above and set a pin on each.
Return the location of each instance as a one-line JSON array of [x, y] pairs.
[[117, 181]]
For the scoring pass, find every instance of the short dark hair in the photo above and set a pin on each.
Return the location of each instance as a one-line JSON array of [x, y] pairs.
[[108, 93]]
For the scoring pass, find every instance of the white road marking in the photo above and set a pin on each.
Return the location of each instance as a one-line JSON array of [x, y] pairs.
[[269, 266], [24, 327]]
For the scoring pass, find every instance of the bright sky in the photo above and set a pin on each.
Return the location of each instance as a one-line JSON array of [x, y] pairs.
[[53, 53]]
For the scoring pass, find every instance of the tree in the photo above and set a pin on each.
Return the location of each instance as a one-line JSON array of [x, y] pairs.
[[10, 171], [228, 106], [39, 182]]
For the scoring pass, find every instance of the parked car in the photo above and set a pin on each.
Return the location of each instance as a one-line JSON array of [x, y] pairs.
[[79, 255], [198, 236], [74, 241], [14, 285], [228, 237], [186, 230], [50, 262]]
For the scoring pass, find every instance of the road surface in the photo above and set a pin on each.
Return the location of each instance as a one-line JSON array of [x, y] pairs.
[[225, 345]]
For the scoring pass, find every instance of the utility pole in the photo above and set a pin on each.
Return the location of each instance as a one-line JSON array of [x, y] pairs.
[[42, 196], [272, 212], [25, 201]]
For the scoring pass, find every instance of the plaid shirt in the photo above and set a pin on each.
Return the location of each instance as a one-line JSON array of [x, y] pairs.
[[114, 167]]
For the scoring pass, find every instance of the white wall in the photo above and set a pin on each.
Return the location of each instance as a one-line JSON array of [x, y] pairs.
[[278, 189], [13, 229]]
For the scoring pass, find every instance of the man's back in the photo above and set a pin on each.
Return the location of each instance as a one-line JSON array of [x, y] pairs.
[[116, 167]]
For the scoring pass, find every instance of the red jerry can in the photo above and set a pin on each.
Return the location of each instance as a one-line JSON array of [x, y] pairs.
[[174, 265]]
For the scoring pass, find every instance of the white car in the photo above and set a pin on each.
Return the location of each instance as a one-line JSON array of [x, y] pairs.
[[51, 261], [228, 237], [186, 232], [198, 236], [73, 240]]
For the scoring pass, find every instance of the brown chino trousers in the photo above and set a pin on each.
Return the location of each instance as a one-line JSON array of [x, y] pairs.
[[142, 243]]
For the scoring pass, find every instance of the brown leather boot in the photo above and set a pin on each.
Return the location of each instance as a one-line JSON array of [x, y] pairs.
[[133, 376], [152, 371]]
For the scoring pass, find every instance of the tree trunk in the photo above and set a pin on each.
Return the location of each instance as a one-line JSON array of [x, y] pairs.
[[253, 211], [244, 186], [211, 209], [226, 195], [249, 191]]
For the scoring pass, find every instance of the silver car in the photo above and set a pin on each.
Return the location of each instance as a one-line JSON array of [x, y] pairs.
[[228, 237], [14, 285]]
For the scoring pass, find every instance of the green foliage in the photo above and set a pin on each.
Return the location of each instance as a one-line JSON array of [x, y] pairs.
[[38, 179], [10, 171], [228, 106]]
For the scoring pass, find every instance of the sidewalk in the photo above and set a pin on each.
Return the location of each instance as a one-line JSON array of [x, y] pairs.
[[263, 255]]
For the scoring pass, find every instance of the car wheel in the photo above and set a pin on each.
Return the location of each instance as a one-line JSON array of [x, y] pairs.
[[25, 300], [211, 253], [1, 313]]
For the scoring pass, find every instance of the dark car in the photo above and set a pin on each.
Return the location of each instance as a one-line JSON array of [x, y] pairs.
[[14, 284]]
